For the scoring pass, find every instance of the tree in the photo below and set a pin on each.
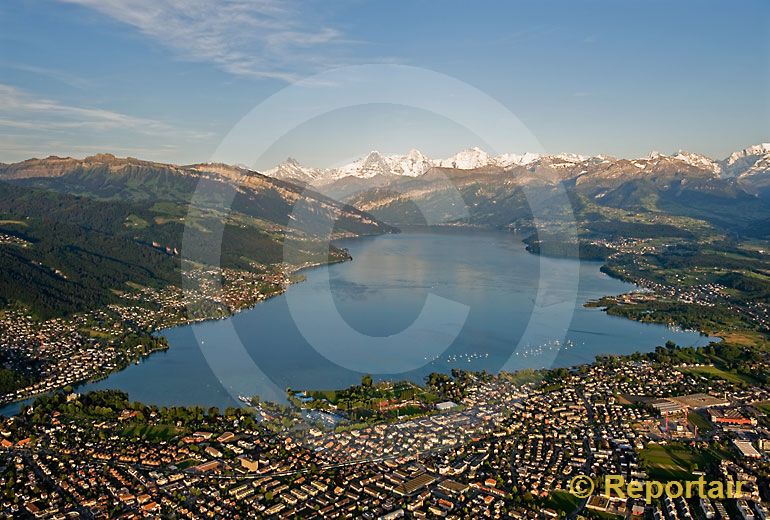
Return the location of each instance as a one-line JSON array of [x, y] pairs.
[[366, 381]]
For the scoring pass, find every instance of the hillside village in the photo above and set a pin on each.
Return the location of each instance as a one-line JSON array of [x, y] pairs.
[[58, 352]]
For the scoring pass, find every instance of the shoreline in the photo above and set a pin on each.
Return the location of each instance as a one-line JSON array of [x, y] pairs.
[[158, 332], [298, 271]]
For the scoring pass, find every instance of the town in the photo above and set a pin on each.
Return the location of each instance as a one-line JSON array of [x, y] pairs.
[[506, 447], [286, 259], [464, 445]]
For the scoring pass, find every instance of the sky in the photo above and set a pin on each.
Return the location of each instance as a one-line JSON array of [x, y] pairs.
[[167, 80]]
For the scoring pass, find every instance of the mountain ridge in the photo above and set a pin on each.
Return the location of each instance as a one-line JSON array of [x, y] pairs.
[[742, 163], [414, 163], [379, 187], [109, 177], [77, 231]]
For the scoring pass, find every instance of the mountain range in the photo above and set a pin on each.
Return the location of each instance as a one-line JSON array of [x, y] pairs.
[[741, 164], [732, 194], [107, 177], [105, 221]]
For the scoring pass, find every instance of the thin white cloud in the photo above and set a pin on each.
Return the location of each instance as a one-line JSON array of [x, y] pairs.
[[31, 125], [22, 110], [52, 73], [256, 38]]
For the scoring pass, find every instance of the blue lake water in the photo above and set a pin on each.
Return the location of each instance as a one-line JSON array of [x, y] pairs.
[[407, 305]]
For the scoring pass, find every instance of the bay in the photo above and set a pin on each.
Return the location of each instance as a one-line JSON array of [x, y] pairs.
[[407, 305]]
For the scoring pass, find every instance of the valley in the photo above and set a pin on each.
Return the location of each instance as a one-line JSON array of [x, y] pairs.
[[68, 220], [92, 260], [97, 280], [288, 260]]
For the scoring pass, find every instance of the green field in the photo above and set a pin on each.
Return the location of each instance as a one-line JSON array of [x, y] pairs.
[[696, 419], [158, 432], [136, 222], [523, 377], [714, 372], [763, 410], [676, 461], [562, 501]]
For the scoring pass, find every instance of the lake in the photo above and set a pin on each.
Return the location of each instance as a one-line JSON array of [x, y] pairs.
[[407, 305]]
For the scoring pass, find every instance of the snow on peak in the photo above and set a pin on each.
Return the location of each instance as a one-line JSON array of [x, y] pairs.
[[513, 159], [291, 169], [747, 161], [414, 163], [371, 165], [757, 149], [570, 157], [467, 159], [475, 157], [698, 160], [416, 155]]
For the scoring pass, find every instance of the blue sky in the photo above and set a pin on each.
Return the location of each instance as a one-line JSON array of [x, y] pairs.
[[167, 79]]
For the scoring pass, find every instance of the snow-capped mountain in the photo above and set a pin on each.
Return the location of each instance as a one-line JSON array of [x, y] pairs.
[[747, 160], [413, 164], [750, 162], [466, 160], [291, 170], [698, 160], [373, 164], [475, 158], [510, 159]]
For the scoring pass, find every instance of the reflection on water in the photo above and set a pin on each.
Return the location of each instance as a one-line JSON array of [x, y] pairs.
[[380, 294]]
